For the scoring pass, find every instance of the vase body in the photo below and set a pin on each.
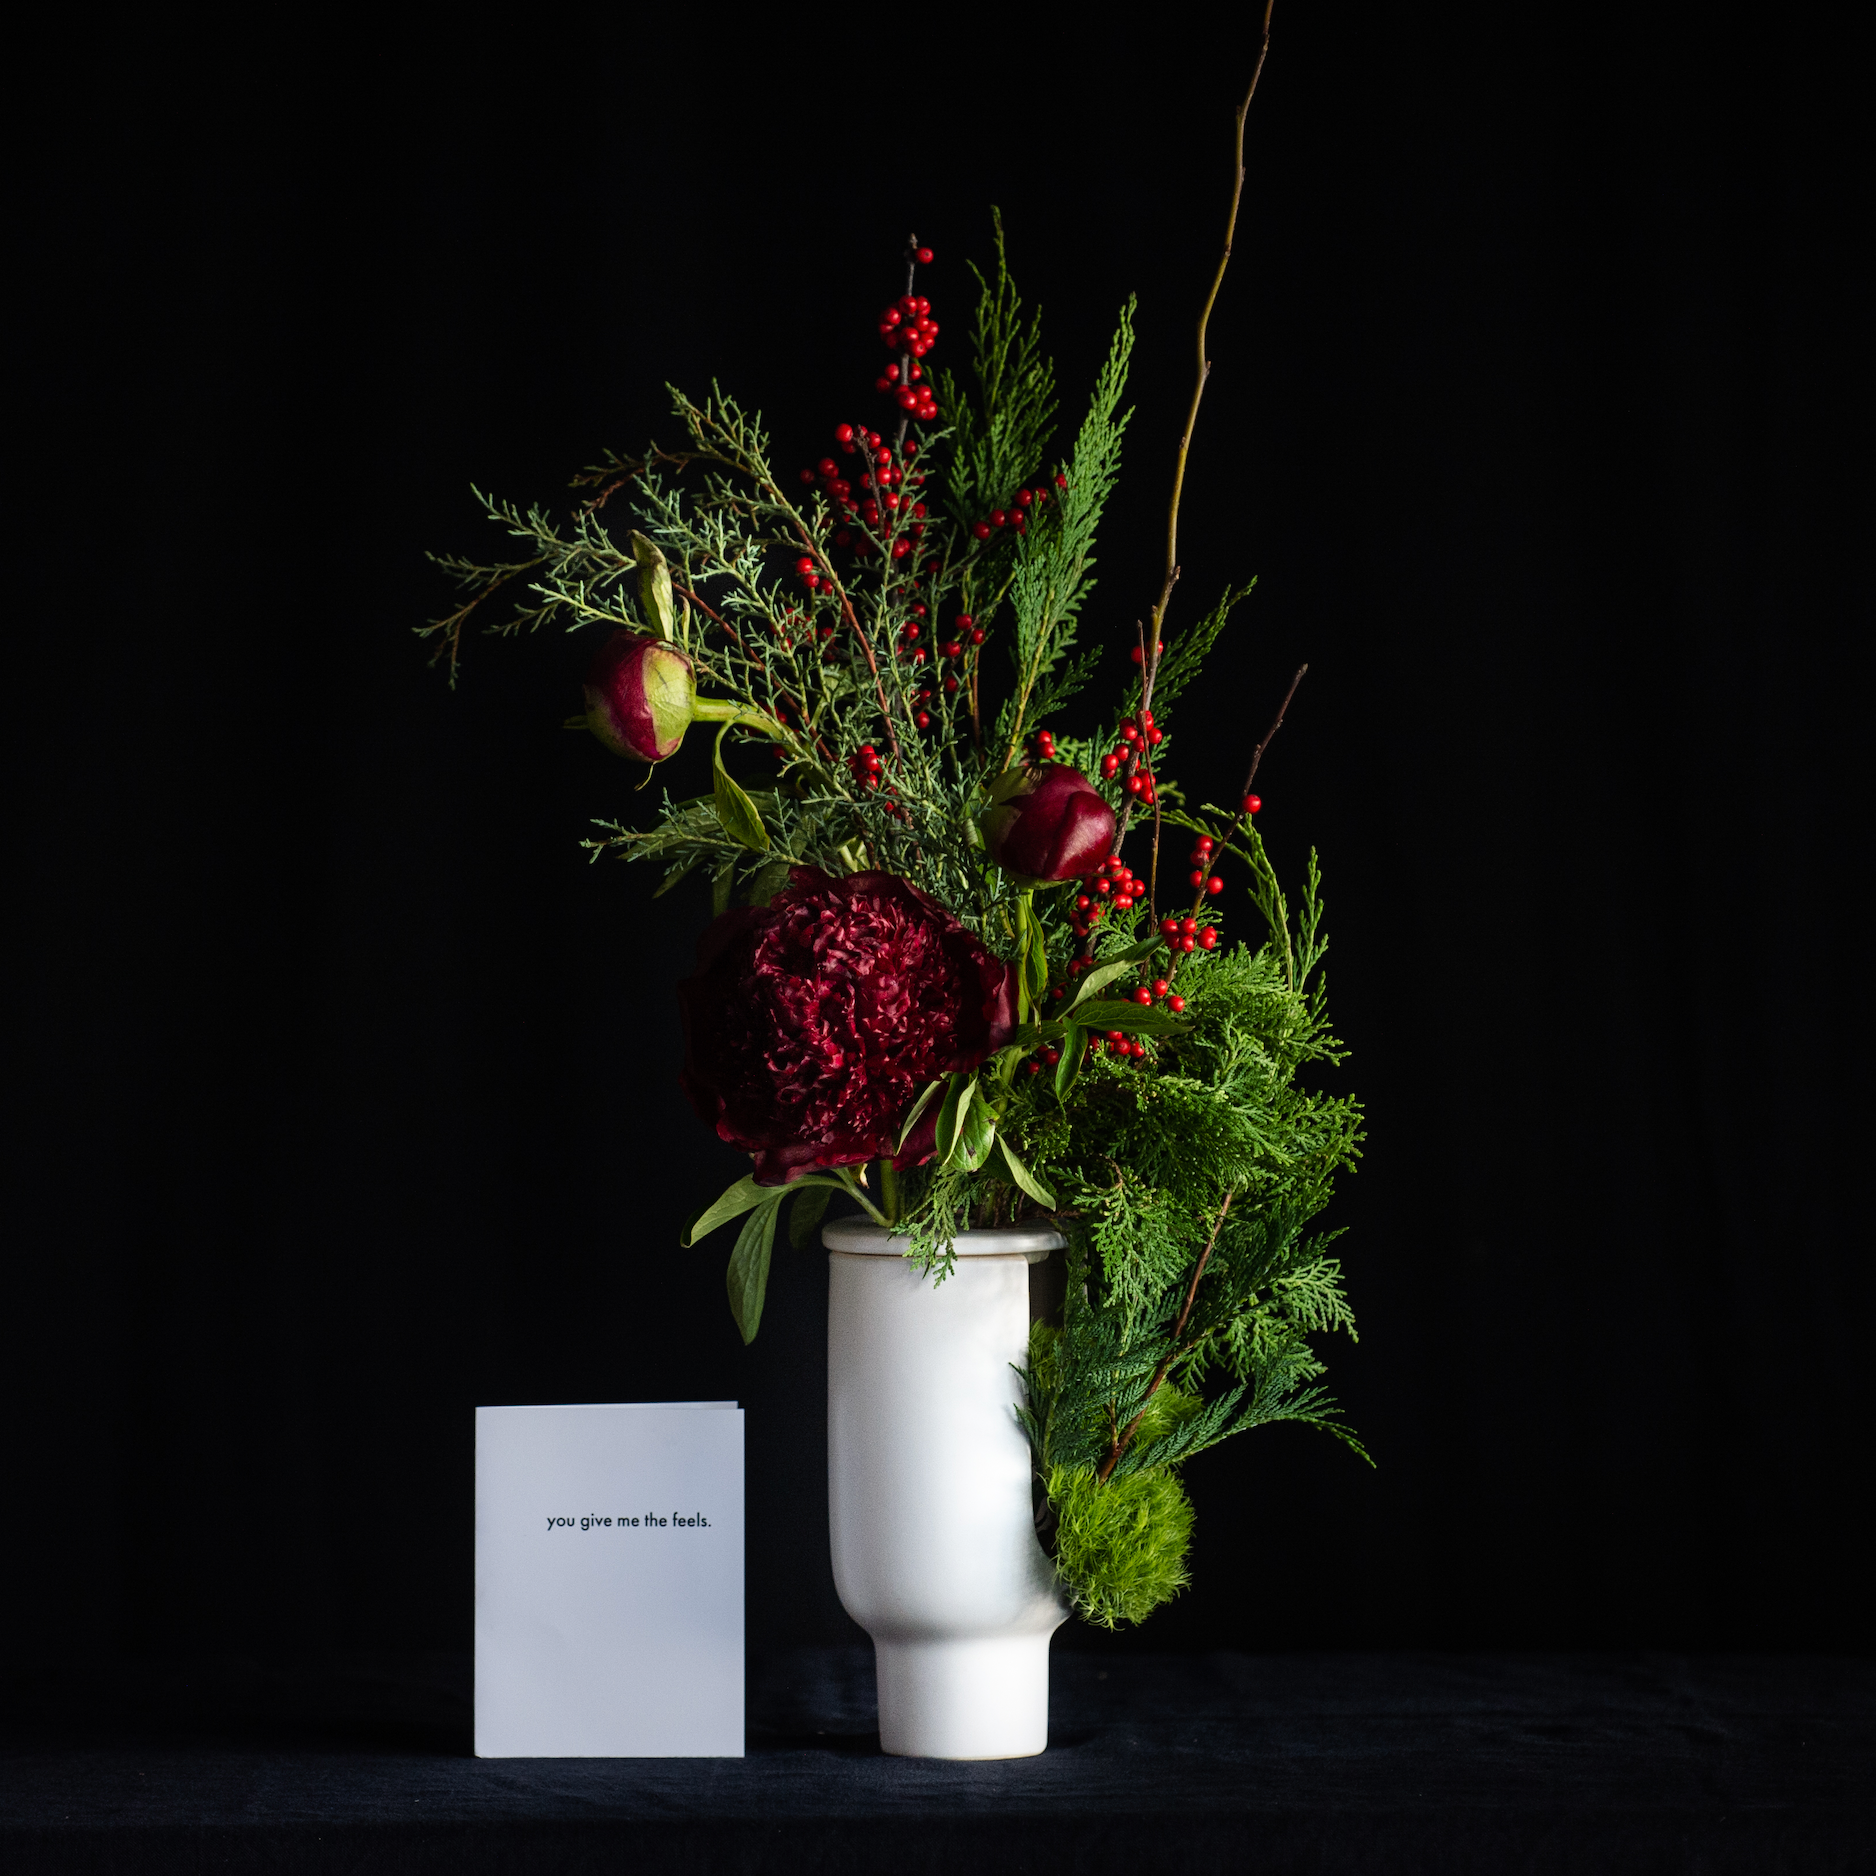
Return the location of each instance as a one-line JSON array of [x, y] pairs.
[[929, 1503]]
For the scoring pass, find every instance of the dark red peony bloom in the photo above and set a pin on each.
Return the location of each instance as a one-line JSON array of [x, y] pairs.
[[640, 696], [1048, 824], [814, 1022]]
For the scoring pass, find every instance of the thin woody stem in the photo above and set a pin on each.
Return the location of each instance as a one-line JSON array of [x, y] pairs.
[[1205, 364], [1257, 756], [1124, 1437]]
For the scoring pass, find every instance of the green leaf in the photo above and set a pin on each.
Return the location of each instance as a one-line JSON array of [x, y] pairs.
[[957, 1098], [737, 1200], [1074, 1052], [672, 878], [735, 810], [769, 880], [914, 1111], [1023, 1176], [748, 1276], [977, 1133], [1035, 957], [1103, 975], [810, 1207], [654, 586], [1133, 1019]]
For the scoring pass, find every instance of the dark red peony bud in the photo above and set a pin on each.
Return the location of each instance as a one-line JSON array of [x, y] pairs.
[[1048, 823], [814, 1022], [640, 696]]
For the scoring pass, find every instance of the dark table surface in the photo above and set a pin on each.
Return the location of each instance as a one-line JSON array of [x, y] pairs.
[[1370, 1763]]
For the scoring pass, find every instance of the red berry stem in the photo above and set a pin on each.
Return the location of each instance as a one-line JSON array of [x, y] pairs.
[[1257, 755]]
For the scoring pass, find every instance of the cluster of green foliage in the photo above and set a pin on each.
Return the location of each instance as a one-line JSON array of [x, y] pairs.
[[1186, 1185]]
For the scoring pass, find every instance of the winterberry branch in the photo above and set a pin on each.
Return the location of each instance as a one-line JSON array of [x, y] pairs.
[[1257, 755]]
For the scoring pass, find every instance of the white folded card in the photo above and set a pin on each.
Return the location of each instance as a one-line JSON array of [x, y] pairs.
[[609, 1581]]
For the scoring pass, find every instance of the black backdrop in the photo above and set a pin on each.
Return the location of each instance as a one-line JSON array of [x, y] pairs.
[[348, 1097]]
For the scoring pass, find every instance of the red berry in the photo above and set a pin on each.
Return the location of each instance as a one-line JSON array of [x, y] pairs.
[[891, 316], [1170, 926], [980, 530], [1203, 844], [807, 475], [1052, 1056], [843, 433], [1198, 879], [1214, 885], [951, 685], [1061, 482], [977, 637], [1187, 942], [1143, 995], [965, 621], [1207, 938], [804, 565], [1137, 655], [1188, 926], [1252, 803], [924, 257], [1082, 902], [1110, 767], [923, 720], [1176, 1004], [1024, 497], [1160, 986], [997, 517]]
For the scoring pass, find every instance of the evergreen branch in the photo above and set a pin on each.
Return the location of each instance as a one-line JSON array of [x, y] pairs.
[[1123, 1438]]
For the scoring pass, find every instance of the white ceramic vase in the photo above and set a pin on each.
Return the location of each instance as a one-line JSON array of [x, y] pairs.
[[928, 1477]]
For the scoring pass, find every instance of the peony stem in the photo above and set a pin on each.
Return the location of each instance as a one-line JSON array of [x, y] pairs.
[[855, 1190], [726, 710], [889, 1192]]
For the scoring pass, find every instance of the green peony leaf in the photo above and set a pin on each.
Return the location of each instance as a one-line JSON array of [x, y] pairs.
[[735, 811], [1074, 1053], [1024, 1177], [748, 1276], [737, 1200], [810, 1207], [1133, 1019]]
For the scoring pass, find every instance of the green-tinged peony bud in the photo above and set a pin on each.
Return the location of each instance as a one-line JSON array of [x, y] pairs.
[[654, 587], [641, 695]]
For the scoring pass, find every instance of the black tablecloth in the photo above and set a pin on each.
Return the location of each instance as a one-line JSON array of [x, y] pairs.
[[1434, 1763]]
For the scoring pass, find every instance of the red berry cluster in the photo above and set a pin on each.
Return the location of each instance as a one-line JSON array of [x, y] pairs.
[[1138, 654], [1016, 516], [963, 632], [907, 327], [1113, 884], [1042, 746], [1131, 756], [1203, 879], [1183, 934], [1049, 1058], [865, 764], [1117, 1042]]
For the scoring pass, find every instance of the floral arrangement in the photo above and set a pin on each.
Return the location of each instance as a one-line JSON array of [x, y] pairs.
[[961, 973]]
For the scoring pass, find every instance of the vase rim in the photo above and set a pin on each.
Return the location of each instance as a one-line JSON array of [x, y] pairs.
[[859, 1237]]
